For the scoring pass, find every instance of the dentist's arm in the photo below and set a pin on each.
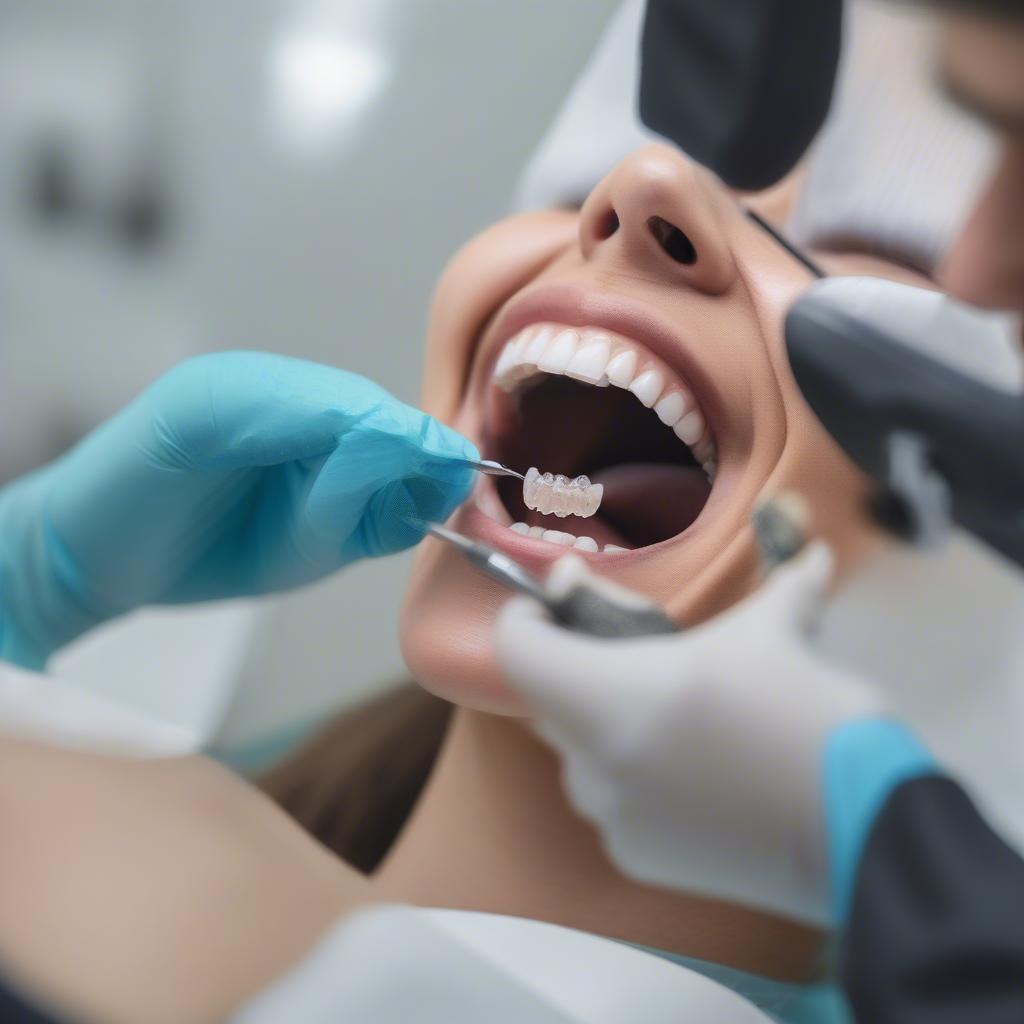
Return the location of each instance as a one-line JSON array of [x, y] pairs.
[[236, 473], [729, 760]]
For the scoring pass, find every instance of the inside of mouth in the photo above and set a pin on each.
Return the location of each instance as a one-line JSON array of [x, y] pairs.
[[653, 487]]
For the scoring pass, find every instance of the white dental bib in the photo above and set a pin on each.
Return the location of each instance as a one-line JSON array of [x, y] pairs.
[[942, 634], [396, 964]]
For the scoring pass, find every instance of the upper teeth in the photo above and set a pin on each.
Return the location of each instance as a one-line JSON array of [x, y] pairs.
[[546, 493], [599, 358]]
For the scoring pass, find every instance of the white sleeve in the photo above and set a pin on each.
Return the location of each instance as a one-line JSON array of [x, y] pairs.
[[34, 706], [392, 965]]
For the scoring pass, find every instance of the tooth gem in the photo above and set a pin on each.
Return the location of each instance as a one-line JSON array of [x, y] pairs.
[[547, 493]]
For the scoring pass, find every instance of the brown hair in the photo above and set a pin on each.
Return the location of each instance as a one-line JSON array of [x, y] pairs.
[[354, 783]]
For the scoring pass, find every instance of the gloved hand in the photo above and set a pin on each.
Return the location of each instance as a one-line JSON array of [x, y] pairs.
[[727, 760], [235, 473]]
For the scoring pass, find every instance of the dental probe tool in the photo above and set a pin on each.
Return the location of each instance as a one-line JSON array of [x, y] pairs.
[[493, 563], [546, 492], [491, 468], [580, 608]]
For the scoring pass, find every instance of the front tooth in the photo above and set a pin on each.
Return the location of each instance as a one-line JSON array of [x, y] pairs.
[[690, 428], [537, 532], [585, 544], [611, 549], [559, 496], [522, 528], [621, 369], [523, 338], [557, 537], [530, 484], [590, 360], [559, 353], [534, 351], [565, 495], [647, 387], [507, 359], [670, 409], [543, 495], [578, 496]]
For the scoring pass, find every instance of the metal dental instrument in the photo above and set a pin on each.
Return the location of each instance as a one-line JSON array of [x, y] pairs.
[[580, 609], [491, 468], [499, 567]]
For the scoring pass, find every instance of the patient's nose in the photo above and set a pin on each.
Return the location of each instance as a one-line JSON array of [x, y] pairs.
[[656, 213]]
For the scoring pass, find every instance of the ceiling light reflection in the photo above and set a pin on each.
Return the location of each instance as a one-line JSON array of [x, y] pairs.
[[322, 83]]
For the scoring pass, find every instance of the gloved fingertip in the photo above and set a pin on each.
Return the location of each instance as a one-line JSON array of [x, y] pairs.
[[445, 442], [465, 448], [571, 571], [797, 589], [518, 615], [816, 563], [527, 644], [568, 572]]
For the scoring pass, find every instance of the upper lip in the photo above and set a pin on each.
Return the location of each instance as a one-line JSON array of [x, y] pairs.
[[577, 307]]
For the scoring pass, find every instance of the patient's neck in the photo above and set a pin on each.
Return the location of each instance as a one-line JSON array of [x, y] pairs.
[[493, 832]]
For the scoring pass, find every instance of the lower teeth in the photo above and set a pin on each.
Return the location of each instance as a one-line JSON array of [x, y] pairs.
[[564, 539]]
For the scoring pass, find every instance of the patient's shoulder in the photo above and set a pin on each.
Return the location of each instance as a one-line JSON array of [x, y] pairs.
[[177, 886]]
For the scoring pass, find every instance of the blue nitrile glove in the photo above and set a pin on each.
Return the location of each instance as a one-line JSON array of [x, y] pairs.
[[235, 473]]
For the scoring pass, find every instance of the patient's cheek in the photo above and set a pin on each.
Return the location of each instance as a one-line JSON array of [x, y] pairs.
[[446, 631]]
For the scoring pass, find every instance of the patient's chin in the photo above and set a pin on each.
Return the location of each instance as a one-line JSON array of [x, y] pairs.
[[446, 633]]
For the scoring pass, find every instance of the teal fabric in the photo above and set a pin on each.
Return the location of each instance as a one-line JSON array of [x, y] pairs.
[[236, 473], [864, 761], [782, 1001]]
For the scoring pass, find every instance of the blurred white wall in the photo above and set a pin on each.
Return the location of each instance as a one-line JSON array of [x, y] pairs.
[[186, 175]]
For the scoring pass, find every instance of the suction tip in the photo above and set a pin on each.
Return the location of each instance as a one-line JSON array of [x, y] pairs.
[[781, 526]]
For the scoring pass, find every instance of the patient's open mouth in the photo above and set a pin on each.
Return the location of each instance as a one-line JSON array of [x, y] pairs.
[[588, 401]]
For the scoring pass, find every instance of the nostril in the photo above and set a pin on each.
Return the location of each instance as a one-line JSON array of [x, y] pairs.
[[607, 226], [672, 240]]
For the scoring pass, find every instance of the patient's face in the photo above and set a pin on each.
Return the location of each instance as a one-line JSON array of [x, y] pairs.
[[638, 341]]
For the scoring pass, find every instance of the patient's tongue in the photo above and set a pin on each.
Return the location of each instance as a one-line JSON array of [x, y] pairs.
[[649, 502]]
